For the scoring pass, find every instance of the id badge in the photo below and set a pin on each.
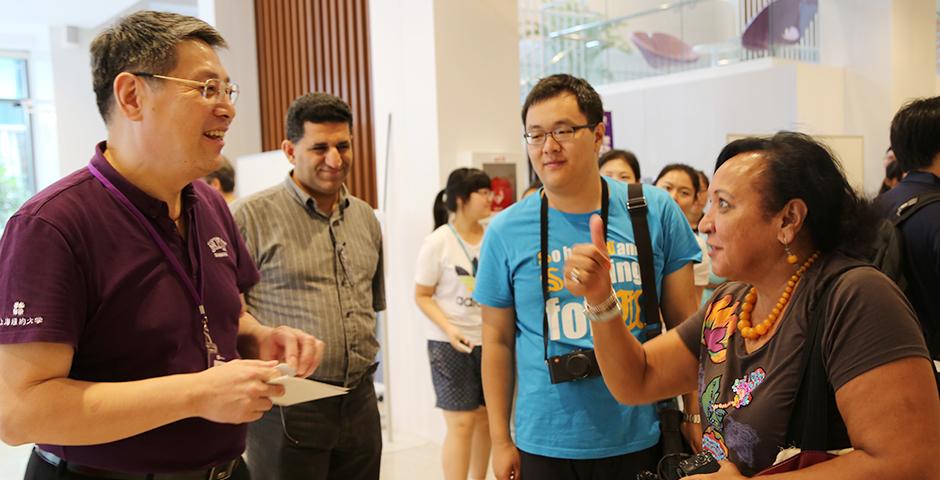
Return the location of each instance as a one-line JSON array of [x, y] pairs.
[[213, 359]]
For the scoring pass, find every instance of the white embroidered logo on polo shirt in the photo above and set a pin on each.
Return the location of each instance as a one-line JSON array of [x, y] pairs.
[[218, 247], [19, 318]]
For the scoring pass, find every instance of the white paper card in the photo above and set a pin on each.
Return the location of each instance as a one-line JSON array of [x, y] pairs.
[[299, 390]]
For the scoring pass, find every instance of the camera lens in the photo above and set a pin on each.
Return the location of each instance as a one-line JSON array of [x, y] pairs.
[[578, 365]]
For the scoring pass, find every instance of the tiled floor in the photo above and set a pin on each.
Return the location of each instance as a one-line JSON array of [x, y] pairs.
[[406, 458]]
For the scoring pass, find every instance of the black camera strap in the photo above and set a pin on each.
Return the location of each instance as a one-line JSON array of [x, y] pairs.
[[649, 301], [544, 252]]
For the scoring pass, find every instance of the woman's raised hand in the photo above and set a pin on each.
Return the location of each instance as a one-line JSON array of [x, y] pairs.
[[587, 269]]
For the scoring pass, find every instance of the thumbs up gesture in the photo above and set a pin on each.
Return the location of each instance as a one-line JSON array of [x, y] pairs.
[[587, 270]]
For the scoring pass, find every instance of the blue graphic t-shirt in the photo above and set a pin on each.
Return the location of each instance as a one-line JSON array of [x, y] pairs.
[[580, 419]]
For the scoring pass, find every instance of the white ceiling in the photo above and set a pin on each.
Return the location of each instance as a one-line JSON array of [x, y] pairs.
[[79, 13]]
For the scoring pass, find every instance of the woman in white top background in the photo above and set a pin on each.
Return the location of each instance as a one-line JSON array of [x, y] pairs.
[[444, 281]]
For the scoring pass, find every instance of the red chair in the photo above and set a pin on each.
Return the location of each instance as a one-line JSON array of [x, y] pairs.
[[663, 50], [780, 23]]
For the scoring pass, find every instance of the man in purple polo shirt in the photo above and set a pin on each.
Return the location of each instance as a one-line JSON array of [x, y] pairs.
[[120, 284]]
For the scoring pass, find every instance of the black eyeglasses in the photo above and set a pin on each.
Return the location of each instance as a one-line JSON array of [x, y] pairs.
[[560, 134], [210, 88]]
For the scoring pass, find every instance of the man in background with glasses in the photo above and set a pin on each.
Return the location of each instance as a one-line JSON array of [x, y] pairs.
[[568, 425], [120, 284], [319, 251]]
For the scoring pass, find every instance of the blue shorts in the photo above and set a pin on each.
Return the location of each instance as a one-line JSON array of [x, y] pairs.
[[456, 376]]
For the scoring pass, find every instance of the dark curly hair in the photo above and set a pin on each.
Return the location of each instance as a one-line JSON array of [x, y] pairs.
[[797, 166]]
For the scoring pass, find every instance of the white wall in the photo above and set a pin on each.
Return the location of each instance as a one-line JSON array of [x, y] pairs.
[[448, 74], [79, 125], [404, 86], [887, 50], [478, 101], [686, 117], [875, 56], [235, 20]]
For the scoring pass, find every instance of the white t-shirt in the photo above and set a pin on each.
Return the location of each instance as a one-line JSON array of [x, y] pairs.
[[701, 270], [443, 262]]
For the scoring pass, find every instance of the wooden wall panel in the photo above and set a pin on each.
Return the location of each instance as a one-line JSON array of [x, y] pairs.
[[318, 46]]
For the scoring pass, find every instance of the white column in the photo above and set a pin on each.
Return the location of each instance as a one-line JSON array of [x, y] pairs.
[[78, 123], [477, 53], [235, 20], [887, 48], [447, 73]]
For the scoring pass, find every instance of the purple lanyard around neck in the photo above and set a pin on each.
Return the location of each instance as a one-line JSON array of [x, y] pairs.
[[196, 294]]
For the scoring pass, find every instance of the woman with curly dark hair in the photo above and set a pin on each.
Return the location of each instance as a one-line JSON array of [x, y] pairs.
[[783, 215]]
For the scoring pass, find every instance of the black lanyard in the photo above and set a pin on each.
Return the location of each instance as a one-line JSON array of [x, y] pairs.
[[544, 254], [212, 350]]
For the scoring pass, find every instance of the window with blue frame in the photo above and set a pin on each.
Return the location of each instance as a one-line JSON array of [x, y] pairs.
[[17, 173]]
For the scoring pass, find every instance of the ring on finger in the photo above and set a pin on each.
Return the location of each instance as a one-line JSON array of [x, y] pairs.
[[575, 275]]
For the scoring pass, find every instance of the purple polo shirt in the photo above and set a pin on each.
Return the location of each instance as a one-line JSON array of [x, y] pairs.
[[77, 268]]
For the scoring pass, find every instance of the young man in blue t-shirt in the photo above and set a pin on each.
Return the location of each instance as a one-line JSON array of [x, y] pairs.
[[571, 429]]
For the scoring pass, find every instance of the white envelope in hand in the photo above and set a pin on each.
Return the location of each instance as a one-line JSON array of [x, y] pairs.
[[299, 390]]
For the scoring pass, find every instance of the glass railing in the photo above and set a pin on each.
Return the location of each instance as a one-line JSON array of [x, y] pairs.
[[614, 41]]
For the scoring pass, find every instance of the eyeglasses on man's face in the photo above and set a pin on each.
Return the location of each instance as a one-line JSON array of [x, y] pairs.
[[210, 88], [560, 134]]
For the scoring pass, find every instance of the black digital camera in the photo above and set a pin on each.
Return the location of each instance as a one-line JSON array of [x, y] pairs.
[[698, 464], [689, 465], [576, 365]]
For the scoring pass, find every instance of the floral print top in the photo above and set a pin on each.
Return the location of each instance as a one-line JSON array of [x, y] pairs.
[[747, 398]]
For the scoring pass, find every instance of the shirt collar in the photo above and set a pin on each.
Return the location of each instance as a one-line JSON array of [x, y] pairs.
[[308, 202], [918, 176], [151, 207]]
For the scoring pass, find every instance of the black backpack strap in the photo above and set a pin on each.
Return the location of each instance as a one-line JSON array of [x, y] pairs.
[[907, 209], [815, 423], [902, 214], [649, 301]]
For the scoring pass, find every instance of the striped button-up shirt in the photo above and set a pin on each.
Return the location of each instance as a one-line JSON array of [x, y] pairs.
[[321, 273]]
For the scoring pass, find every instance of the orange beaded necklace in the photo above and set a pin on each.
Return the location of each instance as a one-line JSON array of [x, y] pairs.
[[744, 322]]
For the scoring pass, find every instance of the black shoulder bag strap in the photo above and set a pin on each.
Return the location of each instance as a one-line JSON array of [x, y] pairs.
[[649, 301], [669, 416], [815, 423], [902, 214]]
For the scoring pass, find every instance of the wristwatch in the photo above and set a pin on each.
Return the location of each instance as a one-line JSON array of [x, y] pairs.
[[606, 311], [692, 418]]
